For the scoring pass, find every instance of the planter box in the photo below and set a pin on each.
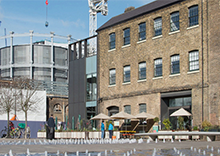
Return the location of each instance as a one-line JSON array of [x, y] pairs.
[[195, 137], [79, 135], [181, 137], [72, 135], [95, 135], [41, 134], [57, 135], [166, 137]]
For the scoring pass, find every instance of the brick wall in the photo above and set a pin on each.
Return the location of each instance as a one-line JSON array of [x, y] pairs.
[[181, 42]]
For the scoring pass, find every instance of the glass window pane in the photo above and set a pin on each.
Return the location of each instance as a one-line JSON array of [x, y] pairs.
[[91, 87], [179, 102], [194, 60], [112, 77], [193, 15], [112, 41], [158, 67], [174, 21], [127, 109], [175, 68], [158, 26], [142, 31], [127, 74], [142, 70], [127, 36], [142, 108]]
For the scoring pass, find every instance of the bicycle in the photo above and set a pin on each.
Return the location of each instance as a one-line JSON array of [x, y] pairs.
[[15, 133], [3, 133]]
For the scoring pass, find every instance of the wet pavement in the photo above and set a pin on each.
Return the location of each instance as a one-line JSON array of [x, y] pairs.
[[42, 145]]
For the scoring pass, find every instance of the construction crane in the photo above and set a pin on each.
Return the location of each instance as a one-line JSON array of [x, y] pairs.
[[95, 6]]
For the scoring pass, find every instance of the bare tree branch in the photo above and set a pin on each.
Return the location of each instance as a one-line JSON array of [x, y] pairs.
[[7, 100], [27, 96]]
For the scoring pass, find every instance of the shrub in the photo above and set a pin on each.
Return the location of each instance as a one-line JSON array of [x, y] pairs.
[[156, 119], [206, 125], [195, 128], [167, 124], [180, 122]]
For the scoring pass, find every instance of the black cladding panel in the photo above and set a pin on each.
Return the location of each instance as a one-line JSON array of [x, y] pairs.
[[77, 89]]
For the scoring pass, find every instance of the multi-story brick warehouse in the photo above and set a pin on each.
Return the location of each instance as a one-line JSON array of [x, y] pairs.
[[161, 57]]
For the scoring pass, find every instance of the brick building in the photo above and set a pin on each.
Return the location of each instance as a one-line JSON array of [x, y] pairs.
[[160, 57]]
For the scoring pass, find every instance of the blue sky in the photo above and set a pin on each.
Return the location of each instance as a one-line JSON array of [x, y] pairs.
[[64, 16]]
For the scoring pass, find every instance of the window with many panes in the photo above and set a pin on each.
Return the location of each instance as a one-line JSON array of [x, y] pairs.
[[126, 36], [112, 76], [158, 67], [142, 71], [193, 16], [126, 74], [174, 21], [142, 31], [158, 26], [112, 41], [193, 60], [142, 107], [180, 101], [57, 108], [127, 109], [175, 64]]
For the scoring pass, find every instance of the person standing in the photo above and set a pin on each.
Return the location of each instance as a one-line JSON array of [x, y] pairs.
[[110, 129], [103, 130], [51, 127]]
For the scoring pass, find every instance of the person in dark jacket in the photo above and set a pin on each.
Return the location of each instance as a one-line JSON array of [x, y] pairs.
[[51, 127]]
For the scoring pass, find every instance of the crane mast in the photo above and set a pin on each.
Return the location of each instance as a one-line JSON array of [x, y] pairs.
[[95, 6]]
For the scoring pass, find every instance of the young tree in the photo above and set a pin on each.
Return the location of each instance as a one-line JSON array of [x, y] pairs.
[[7, 100], [28, 99]]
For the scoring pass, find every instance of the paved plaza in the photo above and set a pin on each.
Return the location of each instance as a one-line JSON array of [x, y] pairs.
[[100, 147]]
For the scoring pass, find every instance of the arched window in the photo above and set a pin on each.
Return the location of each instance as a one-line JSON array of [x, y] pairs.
[[57, 108], [112, 110], [158, 70], [194, 60], [126, 74], [142, 71], [142, 107], [174, 21], [112, 41], [127, 109], [175, 64], [126, 36], [67, 110], [193, 15], [158, 26], [112, 76], [142, 31]]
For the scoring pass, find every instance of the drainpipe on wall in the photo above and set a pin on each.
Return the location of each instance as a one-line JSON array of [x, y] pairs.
[[202, 62]]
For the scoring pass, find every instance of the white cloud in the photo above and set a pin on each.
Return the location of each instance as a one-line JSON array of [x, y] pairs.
[[77, 23]]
